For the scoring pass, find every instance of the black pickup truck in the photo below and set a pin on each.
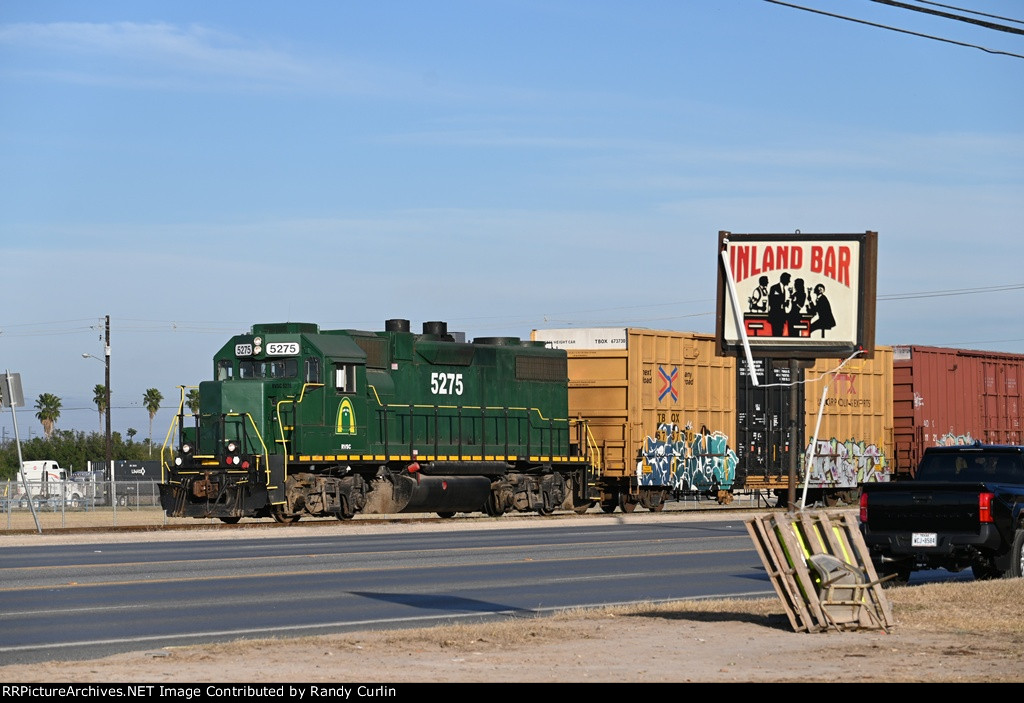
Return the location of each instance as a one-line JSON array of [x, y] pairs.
[[964, 508]]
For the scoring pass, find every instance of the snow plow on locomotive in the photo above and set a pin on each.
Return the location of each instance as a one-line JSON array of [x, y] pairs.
[[300, 421]]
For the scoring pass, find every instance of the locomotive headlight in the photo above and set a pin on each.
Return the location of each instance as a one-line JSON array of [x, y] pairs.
[[186, 448], [177, 461], [232, 447], [257, 341], [257, 349]]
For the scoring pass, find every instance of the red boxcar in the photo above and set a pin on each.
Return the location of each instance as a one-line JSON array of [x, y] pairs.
[[953, 396]]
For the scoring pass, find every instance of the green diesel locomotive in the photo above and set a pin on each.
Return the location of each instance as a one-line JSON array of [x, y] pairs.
[[300, 421]]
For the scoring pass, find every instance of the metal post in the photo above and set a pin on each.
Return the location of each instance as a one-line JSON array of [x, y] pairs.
[[106, 355], [21, 462], [794, 397]]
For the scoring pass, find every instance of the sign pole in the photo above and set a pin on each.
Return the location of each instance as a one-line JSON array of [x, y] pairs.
[[14, 400]]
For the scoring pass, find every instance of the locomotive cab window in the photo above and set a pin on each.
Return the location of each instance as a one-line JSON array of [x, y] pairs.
[[225, 370], [281, 368], [312, 374], [345, 378], [271, 368]]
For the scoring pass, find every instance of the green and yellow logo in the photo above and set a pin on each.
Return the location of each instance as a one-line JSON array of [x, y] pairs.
[[346, 418]]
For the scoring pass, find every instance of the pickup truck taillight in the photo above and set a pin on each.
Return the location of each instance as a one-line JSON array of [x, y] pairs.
[[985, 507], [863, 507]]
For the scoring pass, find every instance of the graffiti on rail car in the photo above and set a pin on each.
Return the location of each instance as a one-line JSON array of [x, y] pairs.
[[684, 460], [950, 439], [848, 463]]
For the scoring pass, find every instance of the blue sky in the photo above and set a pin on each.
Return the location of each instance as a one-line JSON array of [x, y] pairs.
[[191, 168]]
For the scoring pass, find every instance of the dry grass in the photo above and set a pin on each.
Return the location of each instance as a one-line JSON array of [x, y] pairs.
[[992, 607], [949, 632], [973, 607]]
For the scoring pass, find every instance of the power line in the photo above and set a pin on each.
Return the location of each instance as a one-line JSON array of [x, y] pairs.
[[204, 327], [951, 16], [895, 29], [951, 291], [973, 12]]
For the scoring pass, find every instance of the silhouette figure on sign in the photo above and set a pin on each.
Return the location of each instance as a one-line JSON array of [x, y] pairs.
[[778, 305], [758, 301], [821, 310]]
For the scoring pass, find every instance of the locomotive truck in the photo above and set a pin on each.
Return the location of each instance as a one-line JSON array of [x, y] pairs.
[[300, 421]]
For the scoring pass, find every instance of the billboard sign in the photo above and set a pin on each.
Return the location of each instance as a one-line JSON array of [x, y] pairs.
[[797, 295]]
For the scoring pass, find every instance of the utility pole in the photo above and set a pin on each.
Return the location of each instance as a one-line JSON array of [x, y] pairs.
[[106, 356]]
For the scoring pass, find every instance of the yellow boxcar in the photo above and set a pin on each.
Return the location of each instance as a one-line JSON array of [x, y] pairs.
[[855, 438], [660, 407]]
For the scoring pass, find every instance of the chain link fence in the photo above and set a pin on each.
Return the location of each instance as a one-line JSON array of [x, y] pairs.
[[80, 503]]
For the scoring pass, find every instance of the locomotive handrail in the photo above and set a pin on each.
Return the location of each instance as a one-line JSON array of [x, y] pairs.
[[595, 451], [259, 436], [280, 425], [302, 393], [170, 430]]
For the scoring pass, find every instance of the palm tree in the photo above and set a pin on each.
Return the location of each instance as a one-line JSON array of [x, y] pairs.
[[151, 400], [99, 396], [48, 407], [192, 401]]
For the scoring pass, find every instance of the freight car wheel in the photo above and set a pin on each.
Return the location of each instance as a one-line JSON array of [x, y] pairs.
[[446, 514], [609, 502], [627, 503], [230, 520]]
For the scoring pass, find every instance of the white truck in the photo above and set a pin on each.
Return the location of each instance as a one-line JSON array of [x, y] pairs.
[[48, 484]]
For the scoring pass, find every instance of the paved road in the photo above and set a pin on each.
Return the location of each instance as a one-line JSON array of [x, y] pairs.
[[77, 600], [77, 597]]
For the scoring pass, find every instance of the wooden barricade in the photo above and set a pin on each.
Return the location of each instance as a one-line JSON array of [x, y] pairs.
[[821, 570]]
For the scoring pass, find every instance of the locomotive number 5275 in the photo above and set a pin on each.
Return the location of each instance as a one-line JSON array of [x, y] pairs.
[[446, 383]]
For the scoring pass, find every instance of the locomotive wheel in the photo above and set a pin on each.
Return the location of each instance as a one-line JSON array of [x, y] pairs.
[[446, 514], [545, 507], [281, 516], [230, 520], [580, 509], [345, 513]]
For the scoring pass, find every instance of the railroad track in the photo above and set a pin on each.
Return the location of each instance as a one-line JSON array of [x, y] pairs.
[[466, 519]]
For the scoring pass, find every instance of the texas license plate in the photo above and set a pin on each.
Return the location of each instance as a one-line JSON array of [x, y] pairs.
[[924, 539]]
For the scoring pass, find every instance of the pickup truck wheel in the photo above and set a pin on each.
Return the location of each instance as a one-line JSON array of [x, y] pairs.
[[1017, 555]]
